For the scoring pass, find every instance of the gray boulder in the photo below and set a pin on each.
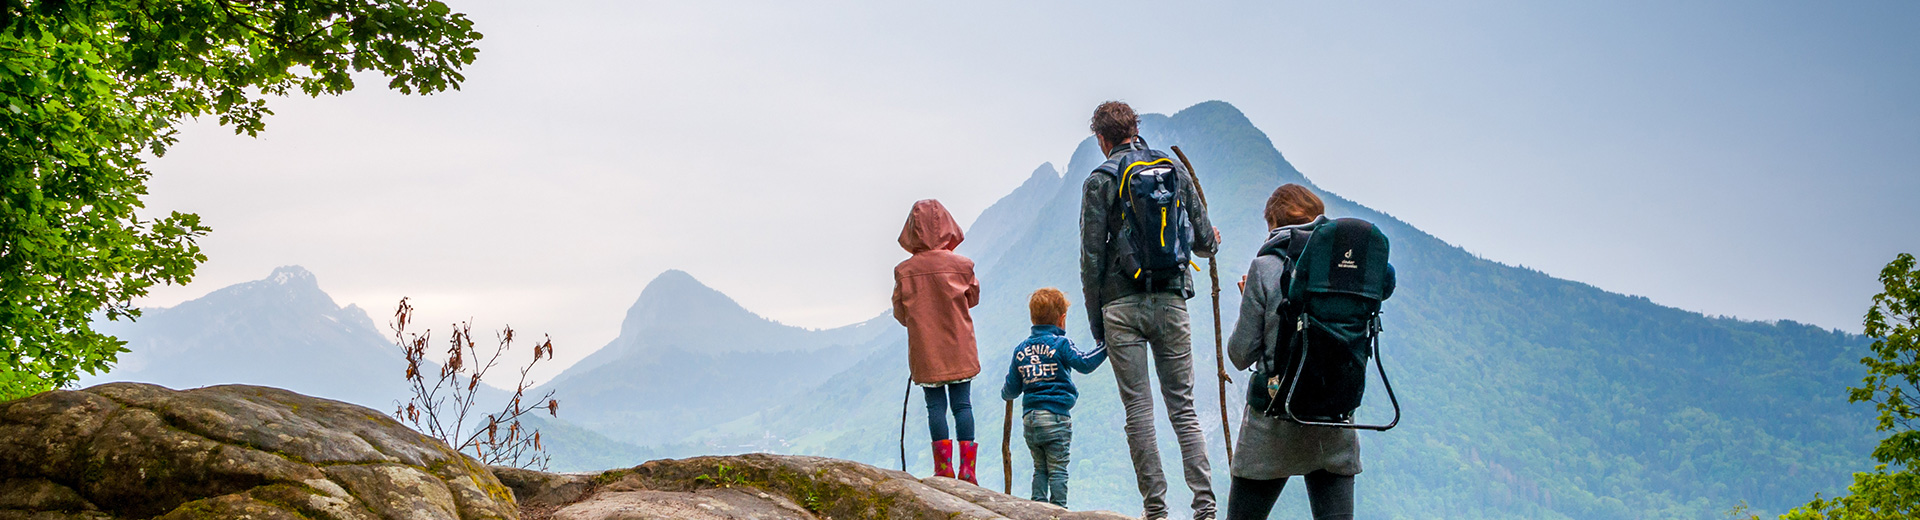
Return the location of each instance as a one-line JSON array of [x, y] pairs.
[[130, 450], [762, 486]]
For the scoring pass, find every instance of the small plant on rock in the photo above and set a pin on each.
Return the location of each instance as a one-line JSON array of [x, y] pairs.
[[441, 407], [723, 476]]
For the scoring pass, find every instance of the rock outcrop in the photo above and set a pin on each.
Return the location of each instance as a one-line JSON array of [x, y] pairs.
[[129, 450], [139, 451], [763, 486]]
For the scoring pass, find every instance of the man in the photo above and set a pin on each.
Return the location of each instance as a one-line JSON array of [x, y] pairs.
[[1139, 316]]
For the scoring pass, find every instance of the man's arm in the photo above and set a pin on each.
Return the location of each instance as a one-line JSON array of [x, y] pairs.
[[1206, 240], [1094, 205]]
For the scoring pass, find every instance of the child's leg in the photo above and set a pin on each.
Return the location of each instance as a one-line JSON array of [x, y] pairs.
[[1059, 453], [1037, 445], [937, 412], [961, 397], [937, 426]]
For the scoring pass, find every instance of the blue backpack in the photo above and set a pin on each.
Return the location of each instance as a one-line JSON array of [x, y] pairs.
[[1156, 238]]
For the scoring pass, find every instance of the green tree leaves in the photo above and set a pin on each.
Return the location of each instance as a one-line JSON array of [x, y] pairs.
[[89, 89], [1892, 490]]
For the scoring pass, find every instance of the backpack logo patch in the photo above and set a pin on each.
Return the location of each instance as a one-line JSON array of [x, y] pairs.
[[1347, 262]]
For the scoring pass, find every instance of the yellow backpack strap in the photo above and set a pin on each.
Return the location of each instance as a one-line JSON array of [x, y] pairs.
[[1127, 172]]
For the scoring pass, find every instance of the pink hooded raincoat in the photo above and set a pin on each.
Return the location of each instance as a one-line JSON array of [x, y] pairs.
[[931, 294]]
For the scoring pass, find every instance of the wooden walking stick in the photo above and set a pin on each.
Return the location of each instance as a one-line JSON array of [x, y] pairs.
[[903, 424], [1219, 357], [1006, 450]]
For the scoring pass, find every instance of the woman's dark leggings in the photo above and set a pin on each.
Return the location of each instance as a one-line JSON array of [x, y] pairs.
[[1330, 494], [960, 395]]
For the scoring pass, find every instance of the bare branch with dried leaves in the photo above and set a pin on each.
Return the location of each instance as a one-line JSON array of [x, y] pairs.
[[440, 408]]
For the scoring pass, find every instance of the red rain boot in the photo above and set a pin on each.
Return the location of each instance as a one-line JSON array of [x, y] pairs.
[[943, 458], [969, 452]]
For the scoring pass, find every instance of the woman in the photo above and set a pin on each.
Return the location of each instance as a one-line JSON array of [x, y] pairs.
[[1270, 449]]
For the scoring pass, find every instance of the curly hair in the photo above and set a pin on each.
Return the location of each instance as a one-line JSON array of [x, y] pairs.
[[1115, 122]]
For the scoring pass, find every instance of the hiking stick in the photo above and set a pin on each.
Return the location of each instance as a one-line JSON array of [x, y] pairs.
[[903, 424], [1006, 449], [1219, 357]]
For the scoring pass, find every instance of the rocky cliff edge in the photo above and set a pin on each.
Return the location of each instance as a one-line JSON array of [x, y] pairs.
[[140, 451]]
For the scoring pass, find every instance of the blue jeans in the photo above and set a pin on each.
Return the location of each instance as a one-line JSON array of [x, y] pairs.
[[961, 396], [1049, 435]]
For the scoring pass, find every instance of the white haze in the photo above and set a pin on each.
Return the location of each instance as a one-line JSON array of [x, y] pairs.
[[1699, 154]]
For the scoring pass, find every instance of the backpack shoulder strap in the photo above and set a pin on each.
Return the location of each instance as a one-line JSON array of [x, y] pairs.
[[1297, 243]]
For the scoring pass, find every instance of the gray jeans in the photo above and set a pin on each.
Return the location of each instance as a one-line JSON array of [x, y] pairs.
[[1153, 327], [1050, 438]]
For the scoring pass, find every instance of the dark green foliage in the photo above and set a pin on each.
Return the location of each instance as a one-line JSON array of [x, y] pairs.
[[89, 89], [1892, 489]]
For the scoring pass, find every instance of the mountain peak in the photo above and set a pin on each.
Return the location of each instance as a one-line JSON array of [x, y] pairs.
[[286, 285], [675, 285], [1213, 109], [1045, 173], [676, 298], [292, 275]]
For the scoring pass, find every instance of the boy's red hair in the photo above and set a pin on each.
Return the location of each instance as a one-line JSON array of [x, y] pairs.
[[1048, 305]]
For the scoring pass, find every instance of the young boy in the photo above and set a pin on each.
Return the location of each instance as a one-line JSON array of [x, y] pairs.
[[931, 294], [1040, 371]]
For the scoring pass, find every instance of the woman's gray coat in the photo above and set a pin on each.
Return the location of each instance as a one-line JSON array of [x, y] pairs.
[[1271, 448]]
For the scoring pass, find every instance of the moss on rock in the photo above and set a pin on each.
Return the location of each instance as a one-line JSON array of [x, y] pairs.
[[145, 451]]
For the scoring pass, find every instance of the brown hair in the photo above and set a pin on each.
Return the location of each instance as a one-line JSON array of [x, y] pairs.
[[1293, 204], [1115, 122], [1047, 305]]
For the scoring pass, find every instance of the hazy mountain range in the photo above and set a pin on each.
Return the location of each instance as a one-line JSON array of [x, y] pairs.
[[1526, 396], [281, 331], [688, 357]]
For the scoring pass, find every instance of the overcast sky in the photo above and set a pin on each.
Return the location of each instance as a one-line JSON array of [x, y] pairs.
[[1752, 159]]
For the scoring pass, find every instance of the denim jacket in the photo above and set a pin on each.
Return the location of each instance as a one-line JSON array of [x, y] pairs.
[[1039, 370]]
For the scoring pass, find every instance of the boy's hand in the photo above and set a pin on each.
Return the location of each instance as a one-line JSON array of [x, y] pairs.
[[1243, 283]]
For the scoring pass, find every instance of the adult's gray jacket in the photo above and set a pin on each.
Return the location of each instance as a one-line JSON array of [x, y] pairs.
[[1100, 274], [1268, 447]]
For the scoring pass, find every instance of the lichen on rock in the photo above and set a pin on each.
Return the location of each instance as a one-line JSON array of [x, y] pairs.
[[765, 486], [130, 450], [124, 451]]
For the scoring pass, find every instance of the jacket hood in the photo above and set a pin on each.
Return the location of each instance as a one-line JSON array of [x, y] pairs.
[[1278, 239], [930, 227]]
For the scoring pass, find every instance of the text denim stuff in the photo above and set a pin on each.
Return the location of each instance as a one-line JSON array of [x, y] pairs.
[[1038, 366]]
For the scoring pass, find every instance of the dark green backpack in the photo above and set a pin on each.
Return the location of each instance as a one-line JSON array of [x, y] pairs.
[[1337, 276]]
